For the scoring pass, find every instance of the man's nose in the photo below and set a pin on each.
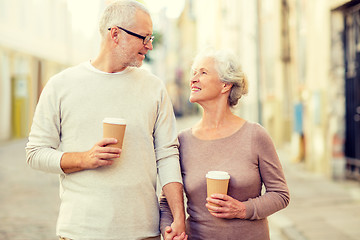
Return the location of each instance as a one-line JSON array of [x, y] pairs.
[[149, 45]]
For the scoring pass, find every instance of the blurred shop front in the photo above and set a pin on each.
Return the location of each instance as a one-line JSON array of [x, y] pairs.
[[37, 40], [309, 70], [303, 63], [28, 58], [14, 94], [21, 80], [351, 38]]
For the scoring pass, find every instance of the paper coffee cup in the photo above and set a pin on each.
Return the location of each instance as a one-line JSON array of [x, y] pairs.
[[217, 182], [114, 128]]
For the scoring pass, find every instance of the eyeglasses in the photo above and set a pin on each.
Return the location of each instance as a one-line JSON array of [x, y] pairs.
[[146, 39]]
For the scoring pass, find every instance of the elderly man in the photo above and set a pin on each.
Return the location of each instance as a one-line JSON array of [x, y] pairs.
[[104, 196]]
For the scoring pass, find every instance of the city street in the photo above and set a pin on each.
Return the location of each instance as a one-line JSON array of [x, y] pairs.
[[294, 66], [29, 199], [319, 208]]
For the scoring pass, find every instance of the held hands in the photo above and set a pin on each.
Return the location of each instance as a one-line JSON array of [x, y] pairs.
[[100, 155], [175, 232], [228, 207]]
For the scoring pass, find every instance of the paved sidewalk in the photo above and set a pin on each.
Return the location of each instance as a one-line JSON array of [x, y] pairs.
[[29, 199], [320, 208]]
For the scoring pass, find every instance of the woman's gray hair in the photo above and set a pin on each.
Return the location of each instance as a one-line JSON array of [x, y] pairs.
[[229, 71], [120, 13]]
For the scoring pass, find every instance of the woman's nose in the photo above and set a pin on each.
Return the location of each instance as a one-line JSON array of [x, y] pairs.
[[194, 79]]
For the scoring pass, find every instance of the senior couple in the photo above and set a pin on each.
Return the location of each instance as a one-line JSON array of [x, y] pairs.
[[105, 198]]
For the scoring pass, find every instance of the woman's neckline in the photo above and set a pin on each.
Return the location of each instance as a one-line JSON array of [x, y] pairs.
[[221, 138]]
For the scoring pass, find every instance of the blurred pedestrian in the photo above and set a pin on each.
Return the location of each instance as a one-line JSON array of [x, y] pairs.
[[223, 141], [104, 196]]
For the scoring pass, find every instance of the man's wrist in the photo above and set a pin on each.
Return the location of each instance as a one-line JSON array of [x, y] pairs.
[[72, 162], [179, 217], [179, 225], [80, 160]]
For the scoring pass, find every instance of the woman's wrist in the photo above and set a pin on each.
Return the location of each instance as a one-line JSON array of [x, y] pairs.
[[242, 211]]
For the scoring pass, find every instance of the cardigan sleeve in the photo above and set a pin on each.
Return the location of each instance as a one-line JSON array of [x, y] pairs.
[[277, 194]]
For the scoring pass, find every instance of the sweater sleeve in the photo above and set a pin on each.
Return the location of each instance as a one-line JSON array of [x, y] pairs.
[[277, 194], [166, 143], [44, 137]]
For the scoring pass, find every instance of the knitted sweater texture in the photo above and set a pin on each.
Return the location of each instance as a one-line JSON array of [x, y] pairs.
[[112, 202], [249, 156]]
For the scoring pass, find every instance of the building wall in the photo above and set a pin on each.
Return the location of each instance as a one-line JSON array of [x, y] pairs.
[[277, 68], [227, 24], [311, 77], [35, 43], [323, 97], [292, 52], [5, 96]]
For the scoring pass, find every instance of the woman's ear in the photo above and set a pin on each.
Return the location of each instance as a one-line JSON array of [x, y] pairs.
[[226, 87]]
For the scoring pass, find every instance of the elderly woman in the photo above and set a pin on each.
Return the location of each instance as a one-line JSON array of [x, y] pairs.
[[223, 141]]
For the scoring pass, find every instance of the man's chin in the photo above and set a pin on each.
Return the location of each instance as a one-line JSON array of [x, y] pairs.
[[139, 64], [136, 64]]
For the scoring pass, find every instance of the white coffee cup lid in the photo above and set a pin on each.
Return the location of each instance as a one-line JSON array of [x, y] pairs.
[[218, 175], [115, 120]]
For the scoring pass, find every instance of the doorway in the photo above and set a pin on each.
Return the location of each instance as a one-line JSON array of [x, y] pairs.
[[352, 91]]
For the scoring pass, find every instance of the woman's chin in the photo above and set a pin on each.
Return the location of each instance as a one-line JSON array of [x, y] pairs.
[[192, 100]]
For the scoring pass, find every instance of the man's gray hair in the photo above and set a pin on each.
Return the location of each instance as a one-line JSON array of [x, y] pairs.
[[120, 13]]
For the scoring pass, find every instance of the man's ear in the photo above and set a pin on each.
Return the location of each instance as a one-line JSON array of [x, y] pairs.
[[114, 33], [226, 87]]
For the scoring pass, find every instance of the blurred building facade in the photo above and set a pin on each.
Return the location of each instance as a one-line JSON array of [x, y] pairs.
[[36, 42], [29, 32], [302, 60], [301, 57], [319, 47]]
